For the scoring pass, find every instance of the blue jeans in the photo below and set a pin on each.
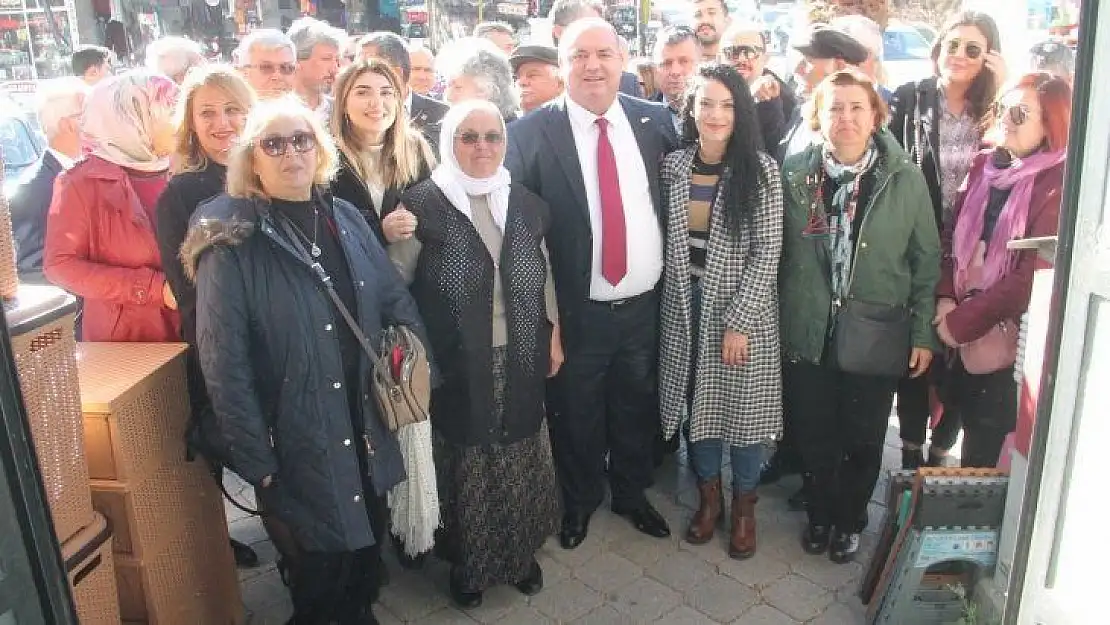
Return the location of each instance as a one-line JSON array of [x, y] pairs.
[[746, 462]]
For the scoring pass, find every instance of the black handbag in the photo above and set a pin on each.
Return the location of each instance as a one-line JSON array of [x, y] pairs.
[[872, 339]]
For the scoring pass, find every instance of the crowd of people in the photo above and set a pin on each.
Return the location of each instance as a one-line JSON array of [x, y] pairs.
[[600, 262]]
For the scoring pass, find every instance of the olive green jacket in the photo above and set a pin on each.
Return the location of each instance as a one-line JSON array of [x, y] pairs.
[[897, 252]]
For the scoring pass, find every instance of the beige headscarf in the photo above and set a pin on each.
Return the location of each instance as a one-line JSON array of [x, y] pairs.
[[122, 114]]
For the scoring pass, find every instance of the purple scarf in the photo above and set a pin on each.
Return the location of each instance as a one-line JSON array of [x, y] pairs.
[[1012, 221]]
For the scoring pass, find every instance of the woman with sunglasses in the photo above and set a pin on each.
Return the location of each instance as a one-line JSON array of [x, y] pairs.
[[940, 121], [276, 263], [480, 274], [380, 153], [100, 243], [860, 263], [743, 47], [1012, 192], [720, 363]]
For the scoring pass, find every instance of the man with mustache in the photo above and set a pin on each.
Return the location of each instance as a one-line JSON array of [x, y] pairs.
[[317, 46], [710, 22], [677, 52], [536, 69], [267, 59], [744, 47]]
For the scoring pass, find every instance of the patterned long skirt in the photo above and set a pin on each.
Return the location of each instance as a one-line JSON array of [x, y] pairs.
[[499, 502]]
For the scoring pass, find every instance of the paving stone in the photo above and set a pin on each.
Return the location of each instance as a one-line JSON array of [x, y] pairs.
[[757, 572], [685, 615], [446, 616], [607, 572], [682, 572], [567, 600], [721, 597], [826, 573], [605, 615], [525, 615], [645, 600], [643, 550], [712, 552], [411, 595], [247, 531], [262, 591], [384, 616], [764, 614], [574, 558], [798, 597], [838, 614], [497, 602], [553, 571]]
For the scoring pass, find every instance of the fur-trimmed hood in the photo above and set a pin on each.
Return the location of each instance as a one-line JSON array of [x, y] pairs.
[[223, 220]]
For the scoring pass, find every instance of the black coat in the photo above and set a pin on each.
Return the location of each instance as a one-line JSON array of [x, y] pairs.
[[775, 113], [270, 351], [29, 206], [542, 155], [348, 186], [426, 115]]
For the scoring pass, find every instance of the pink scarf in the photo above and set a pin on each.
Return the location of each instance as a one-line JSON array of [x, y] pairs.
[[1018, 177]]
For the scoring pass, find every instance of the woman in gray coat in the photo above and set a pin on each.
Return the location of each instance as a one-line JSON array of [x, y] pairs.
[[720, 363]]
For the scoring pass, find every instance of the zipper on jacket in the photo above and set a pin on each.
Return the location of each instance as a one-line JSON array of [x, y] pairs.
[[837, 303], [369, 445]]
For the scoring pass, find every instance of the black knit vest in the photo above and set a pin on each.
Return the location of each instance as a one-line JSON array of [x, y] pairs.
[[453, 287]]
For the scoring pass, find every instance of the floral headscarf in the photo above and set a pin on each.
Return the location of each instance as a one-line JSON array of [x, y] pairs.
[[122, 115]]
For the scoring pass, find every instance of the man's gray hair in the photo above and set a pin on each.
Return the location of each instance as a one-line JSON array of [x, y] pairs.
[[864, 30], [392, 49], [263, 39], [581, 26], [173, 56], [563, 12], [487, 65], [673, 36], [484, 28], [59, 98], [309, 32]]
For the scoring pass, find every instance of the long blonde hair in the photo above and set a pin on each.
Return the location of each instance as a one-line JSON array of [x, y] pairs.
[[405, 153], [188, 155]]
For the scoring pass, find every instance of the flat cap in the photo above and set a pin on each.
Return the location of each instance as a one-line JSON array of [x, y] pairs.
[[822, 42], [528, 53]]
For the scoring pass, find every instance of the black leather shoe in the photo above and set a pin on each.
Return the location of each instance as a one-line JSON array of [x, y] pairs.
[[815, 539], [843, 547], [533, 583], [574, 529], [465, 600], [245, 557], [646, 519]]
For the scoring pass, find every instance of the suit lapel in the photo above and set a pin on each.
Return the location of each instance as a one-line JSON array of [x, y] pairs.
[[647, 142], [561, 136]]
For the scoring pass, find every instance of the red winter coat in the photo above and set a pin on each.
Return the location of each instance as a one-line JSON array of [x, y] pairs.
[[100, 246]]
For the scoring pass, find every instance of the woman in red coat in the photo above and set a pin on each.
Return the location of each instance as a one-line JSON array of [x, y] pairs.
[[100, 242], [1012, 192]]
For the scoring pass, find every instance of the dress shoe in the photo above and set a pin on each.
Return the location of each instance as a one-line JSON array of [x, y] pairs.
[[533, 583], [574, 529], [646, 519], [465, 600], [843, 547], [912, 459], [710, 510], [815, 539], [245, 557], [741, 542]]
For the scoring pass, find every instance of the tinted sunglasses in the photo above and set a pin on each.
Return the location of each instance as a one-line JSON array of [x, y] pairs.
[[971, 49], [1018, 113], [268, 69], [471, 137], [277, 145], [735, 53]]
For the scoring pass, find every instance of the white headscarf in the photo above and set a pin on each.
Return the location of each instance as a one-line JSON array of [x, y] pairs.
[[451, 179]]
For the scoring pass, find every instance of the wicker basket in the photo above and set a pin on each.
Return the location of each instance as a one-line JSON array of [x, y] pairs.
[[136, 407], [44, 358], [92, 576], [9, 278]]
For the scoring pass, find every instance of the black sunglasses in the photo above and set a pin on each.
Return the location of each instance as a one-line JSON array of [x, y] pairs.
[[734, 53], [1018, 113], [277, 145], [971, 49], [472, 137], [268, 69]]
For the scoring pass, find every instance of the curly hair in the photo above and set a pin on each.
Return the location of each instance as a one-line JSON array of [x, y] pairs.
[[487, 65]]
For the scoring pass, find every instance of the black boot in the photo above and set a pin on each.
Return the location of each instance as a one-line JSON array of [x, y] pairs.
[[815, 538], [463, 599], [533, 583], [912, 459], [245, 557], [843, 547]]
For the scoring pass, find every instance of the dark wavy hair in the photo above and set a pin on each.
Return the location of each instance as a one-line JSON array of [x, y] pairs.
[[745, 173], [984, 88]]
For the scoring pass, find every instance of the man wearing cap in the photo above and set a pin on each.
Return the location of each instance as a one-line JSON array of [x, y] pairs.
[[866, 31], [826, 51], [536, 69]]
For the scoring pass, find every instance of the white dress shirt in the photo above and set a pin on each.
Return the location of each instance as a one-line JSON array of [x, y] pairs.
[[643, 236]]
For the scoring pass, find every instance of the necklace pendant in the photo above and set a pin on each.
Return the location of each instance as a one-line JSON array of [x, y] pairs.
[[315, 251]]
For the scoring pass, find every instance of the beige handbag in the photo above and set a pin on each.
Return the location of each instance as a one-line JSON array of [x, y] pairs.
[[401, 378]]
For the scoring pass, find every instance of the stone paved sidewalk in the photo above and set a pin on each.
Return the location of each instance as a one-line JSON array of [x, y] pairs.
[[621, 576]]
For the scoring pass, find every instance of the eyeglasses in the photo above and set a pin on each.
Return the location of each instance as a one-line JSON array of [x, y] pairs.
[[1018, 113], [275, 146], [268, 69], [971, 49], [471, 137], [734, 53]]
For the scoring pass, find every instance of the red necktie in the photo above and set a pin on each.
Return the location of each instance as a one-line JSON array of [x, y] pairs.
[[614, 253]]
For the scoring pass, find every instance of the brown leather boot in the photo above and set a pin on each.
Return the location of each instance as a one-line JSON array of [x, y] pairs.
[[710, 510], [741, 544]]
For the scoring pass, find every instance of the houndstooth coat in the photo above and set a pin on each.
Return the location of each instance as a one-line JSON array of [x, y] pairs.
[[740, 404]]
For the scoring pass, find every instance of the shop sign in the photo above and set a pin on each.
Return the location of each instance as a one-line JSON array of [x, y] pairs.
[[518, 10], [11, 4]]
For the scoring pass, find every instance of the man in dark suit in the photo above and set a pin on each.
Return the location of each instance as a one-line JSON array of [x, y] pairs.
[[59, 105], [425, 113], [566, 12], [605, 244]]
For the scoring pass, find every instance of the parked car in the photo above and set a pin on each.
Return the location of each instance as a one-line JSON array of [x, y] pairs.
[[906, 55], [21, 141]]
